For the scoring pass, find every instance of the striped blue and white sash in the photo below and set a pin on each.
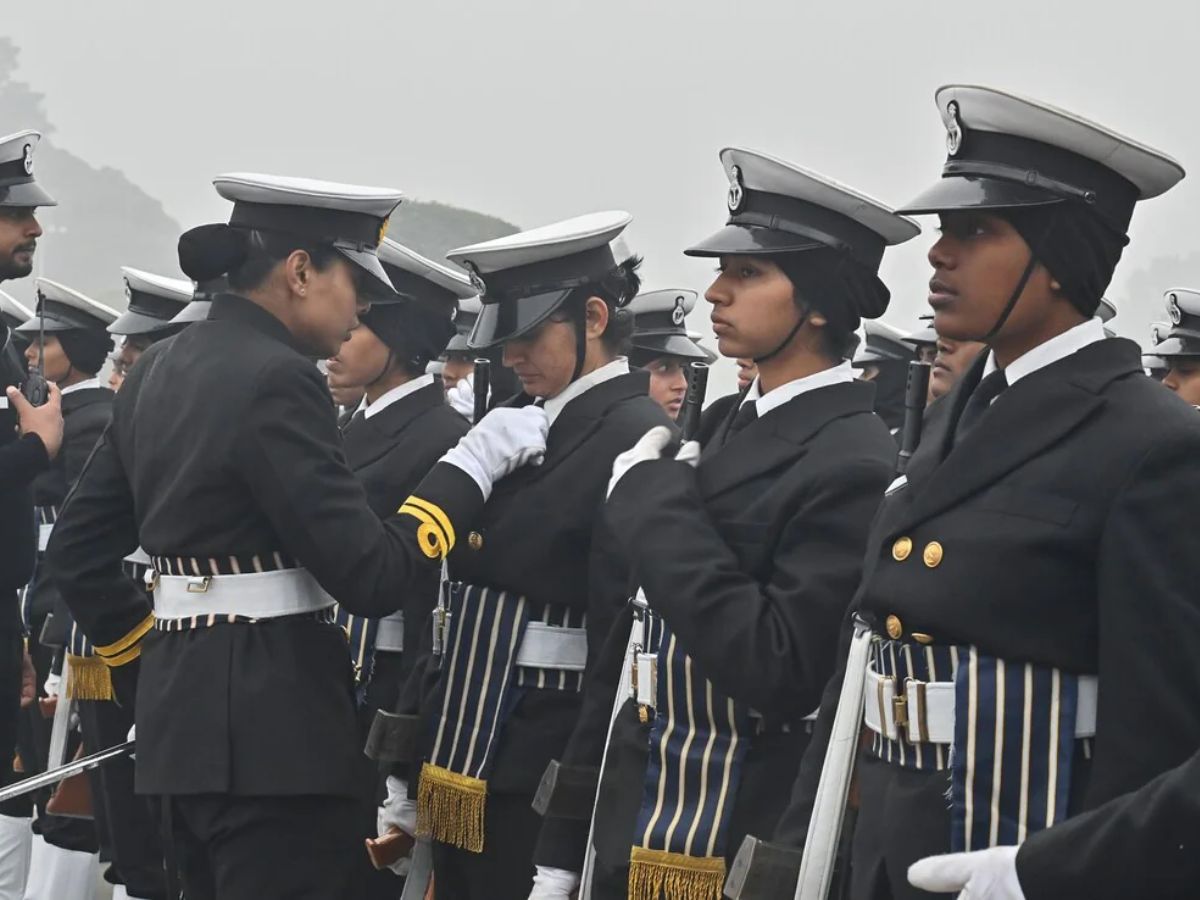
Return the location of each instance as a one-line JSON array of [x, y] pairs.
[[698, 742], [480, 686], [1014, 739]]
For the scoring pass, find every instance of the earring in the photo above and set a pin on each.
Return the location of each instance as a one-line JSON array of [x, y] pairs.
[[1054, 285]]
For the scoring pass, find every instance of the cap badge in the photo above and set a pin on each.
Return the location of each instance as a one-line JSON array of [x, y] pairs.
[[476, 278], [29, 159], [1173, 309], [954, 133], [678, 313], [383, 226], [128, 290], [736, 192]]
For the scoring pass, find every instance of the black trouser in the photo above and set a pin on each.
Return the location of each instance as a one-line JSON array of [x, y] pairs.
[[382, 691], [504, 870], [265, 848], [127, 827], [12, 649]]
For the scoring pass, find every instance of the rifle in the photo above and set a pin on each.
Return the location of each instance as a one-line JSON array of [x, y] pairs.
[[915, 392], [693, 401], [483, 386], [55, 775]]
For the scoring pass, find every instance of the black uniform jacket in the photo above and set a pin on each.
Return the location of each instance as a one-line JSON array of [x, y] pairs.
[[21, 460], [540, 536], [1142, 844], [224, 442], [751, 560], [86, 413], [1064, 520], [390, 452]]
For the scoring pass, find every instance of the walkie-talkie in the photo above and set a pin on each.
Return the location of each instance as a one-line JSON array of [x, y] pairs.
[[36, 388]]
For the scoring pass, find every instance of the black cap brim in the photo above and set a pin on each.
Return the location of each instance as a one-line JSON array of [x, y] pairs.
[[196, 311], [28, 194], [34, 326], [511, 319], [975, 192], [370, 263], [668, 345], [751, 240], [458, 344], [1177, 346], [134, 323]]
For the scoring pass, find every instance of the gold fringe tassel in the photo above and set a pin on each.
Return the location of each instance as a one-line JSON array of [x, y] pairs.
[[450, 808], [90, 678], [655, 874]]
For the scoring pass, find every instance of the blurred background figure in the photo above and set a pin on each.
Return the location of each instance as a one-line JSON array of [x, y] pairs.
[[661, 344]]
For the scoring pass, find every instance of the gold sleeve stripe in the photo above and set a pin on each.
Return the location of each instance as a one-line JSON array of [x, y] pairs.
[[126, 656], [439, 516], [130, 640], [430, 537]]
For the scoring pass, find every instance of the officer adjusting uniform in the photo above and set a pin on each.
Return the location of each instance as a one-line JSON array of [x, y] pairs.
[[747, 564], [1029, 591], [885, 349], [79, 323], [224, 461], [538, 567], [660, 334], [21, 459], [390, 445]]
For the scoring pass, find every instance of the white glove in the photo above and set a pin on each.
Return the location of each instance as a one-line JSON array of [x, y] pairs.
[[397, 811], [649, 448], [461, 397], [982, 875], [504, 441], [553, 884], [52, 685]]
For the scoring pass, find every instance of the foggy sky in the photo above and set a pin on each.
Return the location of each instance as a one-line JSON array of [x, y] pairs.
[[537, 110]]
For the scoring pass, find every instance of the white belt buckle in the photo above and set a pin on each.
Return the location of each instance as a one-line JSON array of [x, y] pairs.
[[199, 584], [647, 678]]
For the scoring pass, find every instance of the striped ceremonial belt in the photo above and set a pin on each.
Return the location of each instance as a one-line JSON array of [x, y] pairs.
[[238, 564], [483, 655], [698, 741], [1014, 735]]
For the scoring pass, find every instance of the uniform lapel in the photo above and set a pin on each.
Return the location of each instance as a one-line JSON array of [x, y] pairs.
[[778, 437], [581, 417], [1032, 415], [369, 439]]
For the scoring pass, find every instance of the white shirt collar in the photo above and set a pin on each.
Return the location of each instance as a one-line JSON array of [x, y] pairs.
[[1058, 347], [82, 385], [580, 386], [839, 374], [397, 393]]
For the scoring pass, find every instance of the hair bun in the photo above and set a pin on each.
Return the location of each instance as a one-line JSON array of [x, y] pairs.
[[210, 251]]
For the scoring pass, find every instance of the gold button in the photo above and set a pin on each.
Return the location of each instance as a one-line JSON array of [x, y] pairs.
[[922, 638], [894, 627], [901, 549], [475, 540], [932, 554]]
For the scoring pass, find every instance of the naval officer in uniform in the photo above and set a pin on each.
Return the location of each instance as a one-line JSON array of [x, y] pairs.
[[538, 581], [154, 300], [224, 461], [1179, 348], [748, 562], [660, 344], [1028, 602], [30, 438]]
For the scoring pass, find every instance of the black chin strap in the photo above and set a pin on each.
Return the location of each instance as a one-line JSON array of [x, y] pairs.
[[759, 360], [1012, 301], [386, 367]]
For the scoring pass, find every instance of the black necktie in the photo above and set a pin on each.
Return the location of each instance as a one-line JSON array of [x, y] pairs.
[[980, 402], [354, 420], [745, 415]]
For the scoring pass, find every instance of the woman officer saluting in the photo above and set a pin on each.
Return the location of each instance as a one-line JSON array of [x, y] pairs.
[[538, 580], [1031, 590], [224, 459]]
